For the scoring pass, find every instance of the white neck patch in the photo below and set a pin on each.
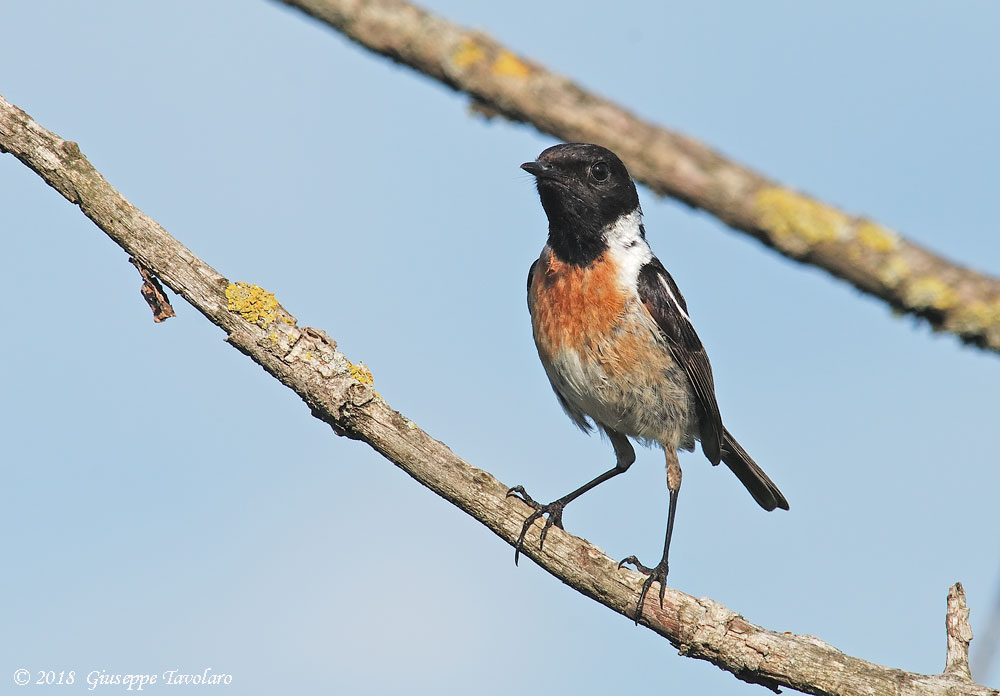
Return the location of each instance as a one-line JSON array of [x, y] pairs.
[[627, 248]]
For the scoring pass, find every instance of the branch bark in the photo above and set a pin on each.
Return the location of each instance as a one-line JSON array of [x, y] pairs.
[[870, 256], [307, 361], [959, 634]]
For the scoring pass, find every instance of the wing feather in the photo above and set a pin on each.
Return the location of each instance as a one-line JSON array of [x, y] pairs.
[[531, 275], [664, 302]]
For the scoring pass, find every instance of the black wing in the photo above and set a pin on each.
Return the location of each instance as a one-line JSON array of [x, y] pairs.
[[531, 274], [666, 305]]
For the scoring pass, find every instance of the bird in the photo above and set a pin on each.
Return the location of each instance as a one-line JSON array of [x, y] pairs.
[[615, 338]]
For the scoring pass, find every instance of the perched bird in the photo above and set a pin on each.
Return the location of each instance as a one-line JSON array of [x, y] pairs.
[[615, 338]]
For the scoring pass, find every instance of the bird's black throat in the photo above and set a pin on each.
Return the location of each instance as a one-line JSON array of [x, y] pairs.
[[576, 235]]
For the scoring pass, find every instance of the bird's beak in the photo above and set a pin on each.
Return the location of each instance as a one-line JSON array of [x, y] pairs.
[[542, 170]]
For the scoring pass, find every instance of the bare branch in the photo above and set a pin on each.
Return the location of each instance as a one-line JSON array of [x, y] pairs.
[[341, 394], [959, 634], [873, 258]]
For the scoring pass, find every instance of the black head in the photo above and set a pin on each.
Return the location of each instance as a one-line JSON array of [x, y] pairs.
[[584, 188]]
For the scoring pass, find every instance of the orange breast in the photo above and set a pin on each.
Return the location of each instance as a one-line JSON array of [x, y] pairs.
[[574, 307]]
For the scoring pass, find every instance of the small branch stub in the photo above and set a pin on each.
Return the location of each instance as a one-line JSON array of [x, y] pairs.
[[959, 634], [153, 293]]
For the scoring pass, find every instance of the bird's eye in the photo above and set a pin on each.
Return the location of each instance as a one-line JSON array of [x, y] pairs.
[[600, 172]]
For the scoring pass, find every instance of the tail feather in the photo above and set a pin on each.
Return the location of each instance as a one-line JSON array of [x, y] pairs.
[[750, 475]]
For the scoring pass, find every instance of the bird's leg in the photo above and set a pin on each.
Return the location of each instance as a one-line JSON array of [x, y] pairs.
[[659, 573], [625, 456]]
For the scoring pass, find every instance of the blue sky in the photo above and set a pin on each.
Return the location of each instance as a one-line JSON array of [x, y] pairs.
[[170, 506]]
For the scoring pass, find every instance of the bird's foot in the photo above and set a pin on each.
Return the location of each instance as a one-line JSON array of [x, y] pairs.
[[657, 574], [553, 512]]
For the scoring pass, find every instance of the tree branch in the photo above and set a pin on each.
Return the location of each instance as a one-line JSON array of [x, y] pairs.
[[307, 361], [873, 258], [959, 634]]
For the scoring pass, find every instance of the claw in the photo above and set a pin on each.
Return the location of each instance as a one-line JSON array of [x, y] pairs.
[[554, 518], [633, 561], [519, 492], [657, 574]]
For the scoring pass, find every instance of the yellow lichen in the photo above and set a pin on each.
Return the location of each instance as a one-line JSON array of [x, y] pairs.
[[876, 237], [509, 65], [894, 271], [467, 53], [977, 317], [255, 304], [361, 373], [796, 221], [930, 292]]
